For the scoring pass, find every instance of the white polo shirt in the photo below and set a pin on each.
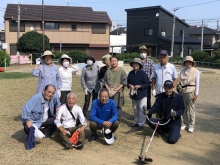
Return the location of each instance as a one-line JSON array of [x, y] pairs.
[[163, 73]]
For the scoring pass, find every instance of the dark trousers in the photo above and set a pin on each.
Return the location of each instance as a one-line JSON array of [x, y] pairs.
[[149, 100], [171, 129], [47, 128], [93, 126], [63, 96], [65, 138], [119, 113], [87, 101]]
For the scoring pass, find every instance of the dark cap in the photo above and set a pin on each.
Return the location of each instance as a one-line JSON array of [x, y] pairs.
[[164, 52], [168, 83]]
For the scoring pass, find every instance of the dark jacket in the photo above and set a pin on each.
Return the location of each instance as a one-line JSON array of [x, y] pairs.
[[139, 78], [162, 104]]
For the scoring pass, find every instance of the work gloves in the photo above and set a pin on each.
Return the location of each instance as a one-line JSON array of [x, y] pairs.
[[38, 61], [153, 92], [145, 110], [173, 113], [59, 93], [86, 91]]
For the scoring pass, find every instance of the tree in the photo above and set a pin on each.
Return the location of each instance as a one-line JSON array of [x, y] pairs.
[[199, 55], [4, 55], [32, 42]]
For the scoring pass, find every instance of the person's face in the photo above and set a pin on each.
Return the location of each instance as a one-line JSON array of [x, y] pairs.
[[168, 90], [188, 64], [107, 62], [143, 51], [104, 97], [163, 59], [136, 66], [65, 60], [48, 60], [71, 100], [114, 62], [48, 94]]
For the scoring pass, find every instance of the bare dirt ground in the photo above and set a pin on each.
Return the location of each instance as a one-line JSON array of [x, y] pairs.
[[200, 148]]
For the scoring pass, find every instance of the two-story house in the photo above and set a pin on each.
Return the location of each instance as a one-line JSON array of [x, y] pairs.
[[211, 38], [153, 27], [66, 26]]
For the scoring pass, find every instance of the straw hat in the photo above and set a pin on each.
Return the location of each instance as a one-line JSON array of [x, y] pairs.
[[137, 60], [48, 53], [143, 47], [189, 58], [66, 57]]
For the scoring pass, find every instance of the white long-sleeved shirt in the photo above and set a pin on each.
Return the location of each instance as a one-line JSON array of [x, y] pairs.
[[67, 118], [66, 77]]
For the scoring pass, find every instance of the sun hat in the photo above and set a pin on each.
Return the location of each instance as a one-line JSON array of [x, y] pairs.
[[108, 136], [65, 56], [89, 57], [137, 60], [143, 47], [168, 83], [48, 53], [189, 58], [164, 52]]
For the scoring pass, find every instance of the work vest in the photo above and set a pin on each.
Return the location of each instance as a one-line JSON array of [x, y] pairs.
[[188, 77]]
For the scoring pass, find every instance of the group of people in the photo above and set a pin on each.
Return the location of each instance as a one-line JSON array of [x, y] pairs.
[[54, 106]]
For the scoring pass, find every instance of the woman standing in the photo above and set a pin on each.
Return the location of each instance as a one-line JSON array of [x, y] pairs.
[[66, 71], [138, 83], [189, 80], [47, 72], [114, 80], [90, 81], [106, 61]]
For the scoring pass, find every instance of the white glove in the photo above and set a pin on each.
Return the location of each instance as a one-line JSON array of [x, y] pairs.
[[153, 92], [173, 113], [58, 93], [38, 61], [86, 91]]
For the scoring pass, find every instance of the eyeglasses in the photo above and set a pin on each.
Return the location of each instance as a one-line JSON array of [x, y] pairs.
[[104, 97], [188, 62]]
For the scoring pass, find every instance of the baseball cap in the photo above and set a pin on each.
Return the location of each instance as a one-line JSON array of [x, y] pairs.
[[168, 83], [164, 52], [108, 136]]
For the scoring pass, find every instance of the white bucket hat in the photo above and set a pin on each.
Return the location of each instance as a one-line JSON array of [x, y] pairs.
[[65, 56], [108, 136]]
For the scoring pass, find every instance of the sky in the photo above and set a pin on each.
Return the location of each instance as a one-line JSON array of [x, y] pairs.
[[188, 9]]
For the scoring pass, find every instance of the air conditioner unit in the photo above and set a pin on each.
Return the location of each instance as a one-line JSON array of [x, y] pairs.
[[163, 34]]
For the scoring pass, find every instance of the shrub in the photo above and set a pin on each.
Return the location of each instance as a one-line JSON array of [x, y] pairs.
[[128, 56], [216, 61], [176, 58], [208, 59], [4, 55], [199, 55], [77, 55]]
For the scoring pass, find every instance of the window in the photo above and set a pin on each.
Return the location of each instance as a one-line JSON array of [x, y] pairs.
[[98, 28], [13, 49], [190, 50], [13, 26], [2, 36], [148, 32], [73, 27], [178, 51], [51, 26]]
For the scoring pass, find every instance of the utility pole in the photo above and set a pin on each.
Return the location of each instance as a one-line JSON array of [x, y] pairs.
[[182, 44], [19, 13], [202, 35], [117, 28], [174, 18], [217, 25], [43, 46]]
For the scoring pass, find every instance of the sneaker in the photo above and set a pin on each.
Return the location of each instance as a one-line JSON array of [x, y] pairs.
[[183, 127], [180, 136], [93, 137], [140, 128], [134, 125], [79, 145], [191, 130], [69, 145]]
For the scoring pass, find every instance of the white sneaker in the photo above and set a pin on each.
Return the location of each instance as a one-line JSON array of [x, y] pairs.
[[191, 130], [183, 127]]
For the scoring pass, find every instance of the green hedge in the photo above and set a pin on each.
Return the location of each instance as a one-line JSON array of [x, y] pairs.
[[76, 55], [4, 55], [199, 55]]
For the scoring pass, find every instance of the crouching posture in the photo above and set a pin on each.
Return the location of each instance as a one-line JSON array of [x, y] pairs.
[[66, 121], [168, 105]]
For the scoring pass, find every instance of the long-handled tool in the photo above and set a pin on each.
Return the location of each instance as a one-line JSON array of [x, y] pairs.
[[143, 156]]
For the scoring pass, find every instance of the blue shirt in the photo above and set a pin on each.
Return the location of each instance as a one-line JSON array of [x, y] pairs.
[[163, 73], [100, 113], [33, 110], [47, 75], [139, 78]]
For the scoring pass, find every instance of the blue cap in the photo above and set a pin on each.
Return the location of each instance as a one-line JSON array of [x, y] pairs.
[[164, 52]]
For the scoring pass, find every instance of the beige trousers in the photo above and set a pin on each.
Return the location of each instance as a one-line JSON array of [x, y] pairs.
[[189, 113]]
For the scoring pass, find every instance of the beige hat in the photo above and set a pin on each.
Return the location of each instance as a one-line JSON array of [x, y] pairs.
[[143, 47], [137, 60], [48, 53], [189, 58], [105, 56]]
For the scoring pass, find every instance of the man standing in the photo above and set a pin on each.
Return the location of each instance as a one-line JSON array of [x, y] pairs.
[[162, 72], [103, 113], [148, 65], [168, 105], [39, 110], [69, 113]]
